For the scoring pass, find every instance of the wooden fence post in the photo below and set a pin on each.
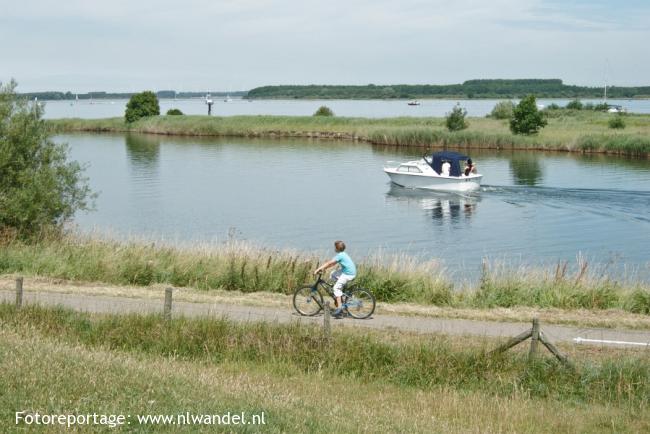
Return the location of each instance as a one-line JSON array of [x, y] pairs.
[[168, 304], [327, 331], [534, 338], [19, 292]]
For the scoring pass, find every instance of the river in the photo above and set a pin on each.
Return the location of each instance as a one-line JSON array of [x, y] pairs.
[[534, 208], [358, 108]]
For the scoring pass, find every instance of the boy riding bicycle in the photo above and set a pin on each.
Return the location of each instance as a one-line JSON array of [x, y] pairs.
[[346, 274]]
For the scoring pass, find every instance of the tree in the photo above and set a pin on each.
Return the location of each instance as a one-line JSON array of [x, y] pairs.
[[576, 104], [502, 110], [455, 120], [526, 118], [141, 105], [39, 188], [324, 111]]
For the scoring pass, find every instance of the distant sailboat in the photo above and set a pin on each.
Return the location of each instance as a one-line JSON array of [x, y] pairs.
[[227, 99]]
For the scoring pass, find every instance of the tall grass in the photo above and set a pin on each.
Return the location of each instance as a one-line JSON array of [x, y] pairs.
[[423, 363], [571, 131], [235, 265]]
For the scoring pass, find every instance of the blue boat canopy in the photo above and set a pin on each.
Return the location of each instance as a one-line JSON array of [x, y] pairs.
[[454, 158]]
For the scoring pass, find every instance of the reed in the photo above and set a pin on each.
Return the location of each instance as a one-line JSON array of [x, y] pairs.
[[575, 131], [242, 266]]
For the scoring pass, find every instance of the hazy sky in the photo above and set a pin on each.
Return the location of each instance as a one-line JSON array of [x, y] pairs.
[[127, 45]]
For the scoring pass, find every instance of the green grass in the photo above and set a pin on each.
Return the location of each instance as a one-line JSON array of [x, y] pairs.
[[579, 131], [419, 362], [240, 266], [50, 375]]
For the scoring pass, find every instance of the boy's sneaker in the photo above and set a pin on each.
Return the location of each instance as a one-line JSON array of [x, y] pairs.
[[341, 313]]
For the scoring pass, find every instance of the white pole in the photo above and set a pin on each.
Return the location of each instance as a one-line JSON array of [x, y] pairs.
[[604, 341]]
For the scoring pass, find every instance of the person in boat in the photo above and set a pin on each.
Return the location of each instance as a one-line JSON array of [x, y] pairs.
[[470, 167], [446, 167], [344, 275]]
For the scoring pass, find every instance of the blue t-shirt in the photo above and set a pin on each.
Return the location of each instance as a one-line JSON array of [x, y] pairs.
[[347, 266]]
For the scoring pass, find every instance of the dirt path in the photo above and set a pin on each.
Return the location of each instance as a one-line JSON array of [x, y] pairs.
[[115, 304]]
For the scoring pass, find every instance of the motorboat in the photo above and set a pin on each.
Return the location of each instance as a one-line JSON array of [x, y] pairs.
[[616, 109], [414, 102], [438, 171]]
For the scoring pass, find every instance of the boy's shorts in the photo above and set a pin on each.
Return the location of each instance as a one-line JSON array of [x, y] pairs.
[[341, 280]]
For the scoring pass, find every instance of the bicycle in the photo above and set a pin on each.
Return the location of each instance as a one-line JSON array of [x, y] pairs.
[[308, 300]]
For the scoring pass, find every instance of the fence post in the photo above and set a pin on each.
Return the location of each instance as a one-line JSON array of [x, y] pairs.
[[19, 292], [168, 304], [327, 331], [534, 339]]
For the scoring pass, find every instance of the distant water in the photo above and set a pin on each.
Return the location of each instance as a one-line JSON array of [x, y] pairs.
[[353, 108], [534, 207]]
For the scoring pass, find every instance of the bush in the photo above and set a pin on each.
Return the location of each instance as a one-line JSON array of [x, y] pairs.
[[602, 107], [174, 112], [141, 105], [552, 106], [526, 118], [39, 188], [324, 111], [575, 105], [617, 123], [502, 110], [455, 120]]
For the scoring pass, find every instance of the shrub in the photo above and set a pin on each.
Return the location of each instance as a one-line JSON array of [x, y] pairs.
[[617, 123], [174, 112], [552, 106], [502, 110], [455, 120], [526, 118], [324, 111], [39, 188], [602, 107], [575, 105], [141, 105]]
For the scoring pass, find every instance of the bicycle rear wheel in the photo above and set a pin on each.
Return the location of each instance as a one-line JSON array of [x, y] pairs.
[[360, 303], [307, 301]]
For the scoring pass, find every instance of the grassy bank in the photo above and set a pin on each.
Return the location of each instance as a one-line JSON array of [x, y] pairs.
[[567, 131], [410, 361], [66, 362], [243, 267]]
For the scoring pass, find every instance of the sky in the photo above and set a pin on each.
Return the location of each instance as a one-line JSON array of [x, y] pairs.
[[196, 45]]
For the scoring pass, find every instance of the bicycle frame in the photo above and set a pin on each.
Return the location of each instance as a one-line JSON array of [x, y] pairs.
[[329, 290]]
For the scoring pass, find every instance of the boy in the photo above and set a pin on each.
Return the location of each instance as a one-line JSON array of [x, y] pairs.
[[347, 273]]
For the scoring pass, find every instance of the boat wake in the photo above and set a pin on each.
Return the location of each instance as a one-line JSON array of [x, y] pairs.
[[624, 204]]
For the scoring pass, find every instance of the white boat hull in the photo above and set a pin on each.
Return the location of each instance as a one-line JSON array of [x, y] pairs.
[[435, 182]]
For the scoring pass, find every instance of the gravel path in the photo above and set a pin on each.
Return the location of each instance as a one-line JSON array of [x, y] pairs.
[[109, 304]]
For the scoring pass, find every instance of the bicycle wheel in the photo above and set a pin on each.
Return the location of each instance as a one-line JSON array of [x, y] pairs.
[[307, 301], [360, 303]]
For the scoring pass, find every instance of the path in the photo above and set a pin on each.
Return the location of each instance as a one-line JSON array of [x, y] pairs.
[[109, 304]]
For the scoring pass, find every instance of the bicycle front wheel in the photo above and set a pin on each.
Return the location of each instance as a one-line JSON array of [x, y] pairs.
[[307, 301], [360, 303]]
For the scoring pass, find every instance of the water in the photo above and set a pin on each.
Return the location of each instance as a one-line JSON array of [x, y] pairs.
[[534, 207], [358, 108]]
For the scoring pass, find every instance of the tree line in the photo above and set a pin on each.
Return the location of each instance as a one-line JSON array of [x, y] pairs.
[[516, 88]]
